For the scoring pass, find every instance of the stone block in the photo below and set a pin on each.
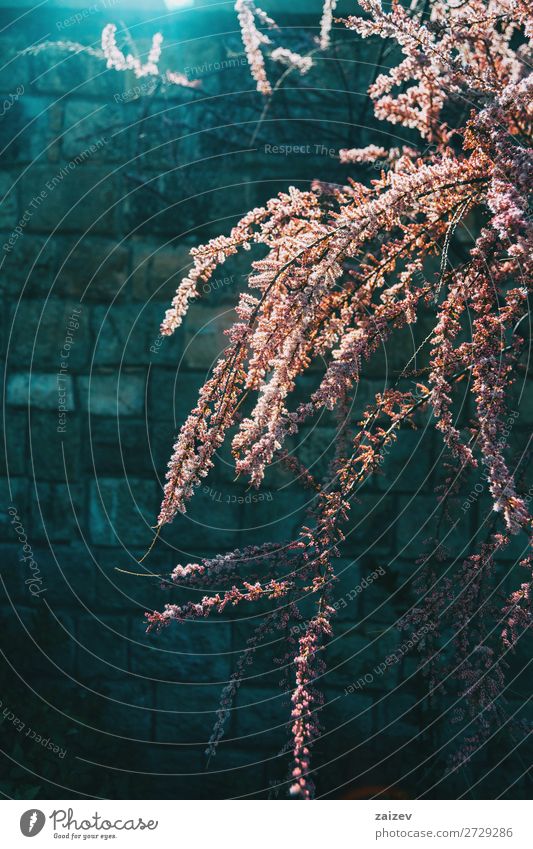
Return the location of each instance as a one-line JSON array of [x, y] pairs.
[[204, 338], [15, 570], [87, 123], [277, 476], [227, 282], [172, 394], [518, 549], [103, 643], [353, 580], [15, 69], [260, 718], [186, 714], [276, 519], [57, 511], [365, 585], [9, 216], [524, 405], [347, 656], [243, 773], [123, 585], [265, 669], [120, 335], [54, 455], [161, 438], [162, 350], [353, 715], [407, 463], [371, 524]]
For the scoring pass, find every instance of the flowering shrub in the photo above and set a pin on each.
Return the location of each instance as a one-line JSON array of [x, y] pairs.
[[343, 267]]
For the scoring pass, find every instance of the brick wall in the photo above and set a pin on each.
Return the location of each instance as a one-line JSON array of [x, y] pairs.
[[112, 192]]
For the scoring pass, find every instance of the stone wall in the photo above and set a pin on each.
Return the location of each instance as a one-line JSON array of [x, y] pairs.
[[110, 188]]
